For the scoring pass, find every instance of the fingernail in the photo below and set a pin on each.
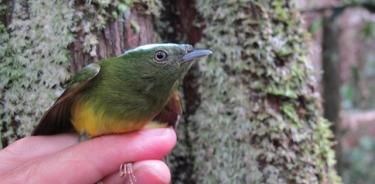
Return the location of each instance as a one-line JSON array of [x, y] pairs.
[[144, 172], [158, 132]]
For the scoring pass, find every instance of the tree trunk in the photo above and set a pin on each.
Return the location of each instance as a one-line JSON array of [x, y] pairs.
[[258, 118], [331, 77], [39, 50], [114, 39]]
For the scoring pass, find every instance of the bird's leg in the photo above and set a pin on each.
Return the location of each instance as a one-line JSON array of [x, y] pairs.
[[83, 137], [126, 170]]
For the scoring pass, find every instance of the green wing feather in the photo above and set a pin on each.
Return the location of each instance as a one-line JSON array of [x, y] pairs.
[[57, 118]]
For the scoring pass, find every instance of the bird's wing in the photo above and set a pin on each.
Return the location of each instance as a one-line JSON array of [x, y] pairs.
[[57, 118], [171, 112]]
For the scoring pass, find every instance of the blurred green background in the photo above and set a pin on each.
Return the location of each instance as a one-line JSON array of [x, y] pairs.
[[354, 44]]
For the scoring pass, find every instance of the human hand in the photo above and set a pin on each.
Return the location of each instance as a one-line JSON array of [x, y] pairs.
[[59, 159]]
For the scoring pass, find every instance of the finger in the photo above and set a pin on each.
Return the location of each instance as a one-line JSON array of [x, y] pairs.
[[94, 159], [145, 172], [39, 145], [31, 147]]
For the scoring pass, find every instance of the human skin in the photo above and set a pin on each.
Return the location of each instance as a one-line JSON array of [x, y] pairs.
[[60, 159]]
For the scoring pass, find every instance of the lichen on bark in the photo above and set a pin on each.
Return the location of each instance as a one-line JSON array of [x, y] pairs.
[[38, 51], [259, 120], [33, 63]]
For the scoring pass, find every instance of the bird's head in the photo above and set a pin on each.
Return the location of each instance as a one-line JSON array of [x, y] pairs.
[[167, 60]]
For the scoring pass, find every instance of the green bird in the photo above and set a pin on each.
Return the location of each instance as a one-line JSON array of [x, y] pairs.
[[133, 91]]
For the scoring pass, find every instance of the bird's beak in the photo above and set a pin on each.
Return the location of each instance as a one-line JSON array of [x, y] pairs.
[[194, 54]]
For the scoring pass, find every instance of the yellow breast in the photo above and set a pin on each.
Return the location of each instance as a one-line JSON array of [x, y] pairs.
[[94, 123]]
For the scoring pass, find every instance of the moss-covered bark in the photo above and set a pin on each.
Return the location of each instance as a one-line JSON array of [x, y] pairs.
[[259, 118], [44, 41], [33, 62], [331, 80]]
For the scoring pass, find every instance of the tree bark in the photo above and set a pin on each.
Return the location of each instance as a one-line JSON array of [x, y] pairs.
[[331, 77], [258, 118], [35, 46], [115, 38]]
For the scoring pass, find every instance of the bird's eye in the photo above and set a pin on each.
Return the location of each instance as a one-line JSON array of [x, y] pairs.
[[160, 55]]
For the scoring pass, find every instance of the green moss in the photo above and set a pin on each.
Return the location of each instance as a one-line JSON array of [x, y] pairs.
[[291, 114], [35, 57], [92, 17], [33, 63], [281, 91], [135, 27], [238, 133]]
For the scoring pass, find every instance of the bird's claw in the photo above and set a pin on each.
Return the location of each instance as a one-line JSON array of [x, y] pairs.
[[126, 170]]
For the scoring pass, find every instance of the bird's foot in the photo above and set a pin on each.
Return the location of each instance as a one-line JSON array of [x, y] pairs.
[[83, 137], [126, 170]]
